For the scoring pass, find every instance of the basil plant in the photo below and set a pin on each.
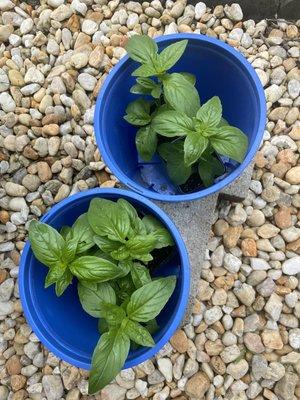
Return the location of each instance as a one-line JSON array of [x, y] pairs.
[[188, 136], [108, 249]]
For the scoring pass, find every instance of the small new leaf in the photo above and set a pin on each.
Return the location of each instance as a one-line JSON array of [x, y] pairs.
[[211, 112], [140, 275], [62, 284]]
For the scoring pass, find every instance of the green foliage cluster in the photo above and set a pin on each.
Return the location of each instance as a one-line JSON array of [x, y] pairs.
[[170, 120], [107, 249]]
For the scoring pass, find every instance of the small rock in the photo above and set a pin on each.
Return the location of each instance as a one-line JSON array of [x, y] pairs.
[[285, 388], [197, 386], [234, 12], [238, 369], [179, 341], [272, 339], [291, 266], [53, 387], [253, 343], [245, 293], [165, 367], [15, 190]]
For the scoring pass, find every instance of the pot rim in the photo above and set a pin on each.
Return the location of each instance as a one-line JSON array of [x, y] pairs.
[[26, 295], [216, 187]]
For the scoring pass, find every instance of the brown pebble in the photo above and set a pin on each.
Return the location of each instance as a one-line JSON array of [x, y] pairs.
[[44, 171], [50, 130], [17, 382], [249, 247], [283, 218], [179, 341], [4, 216], [13, 365]]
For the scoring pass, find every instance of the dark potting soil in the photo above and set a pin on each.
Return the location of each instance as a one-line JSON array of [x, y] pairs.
[[193, 184], [160, 256]]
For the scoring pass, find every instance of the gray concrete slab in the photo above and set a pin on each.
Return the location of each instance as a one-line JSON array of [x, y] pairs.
[[194, 220]]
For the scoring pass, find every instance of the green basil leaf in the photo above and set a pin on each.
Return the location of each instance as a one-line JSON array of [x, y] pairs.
[[108, 358], [148, 301], [209, 168], [152, 326], [145, 71], [194, 145], [108, 219], [223, 122], [141, 48], [102, 326], [126, 287], [211, 112], [92, 294], [139, 89], [112, 313], [173, 154], [121, 253], [95, 269], [140, 245], [137, 333], [137, 112], [126, 266], [157, 229], [71, 245], [54, 274], [140, 275], [170, 55], [146, 142], [64, 231], [181, 94], [46, 243], [143, 257], [156, 92], [189, 77], [63, 282], [135, 221], [147, 83], [84, 232], [105, 244], [172, 123], [230, 142]]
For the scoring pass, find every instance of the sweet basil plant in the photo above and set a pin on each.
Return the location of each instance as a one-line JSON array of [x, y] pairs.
[[188, 136], [110, 250]]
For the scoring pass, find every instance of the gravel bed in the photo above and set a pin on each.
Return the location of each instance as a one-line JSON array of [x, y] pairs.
[[244, 338]]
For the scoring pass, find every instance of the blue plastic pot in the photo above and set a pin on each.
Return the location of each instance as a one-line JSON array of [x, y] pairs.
[[220, 70], [60, 322]]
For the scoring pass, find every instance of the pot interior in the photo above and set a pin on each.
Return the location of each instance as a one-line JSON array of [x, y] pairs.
[[218, 73], [66, 327]]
